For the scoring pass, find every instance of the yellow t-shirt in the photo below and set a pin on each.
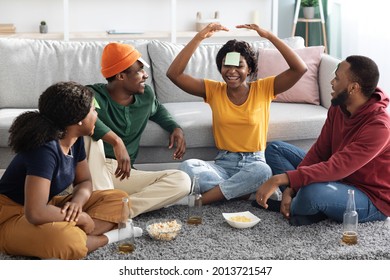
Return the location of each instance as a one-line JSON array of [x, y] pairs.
[[240, 128]]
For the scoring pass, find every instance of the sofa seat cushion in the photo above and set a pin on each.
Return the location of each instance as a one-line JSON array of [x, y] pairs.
[[288, 121], [193, 117], [7, 117], [294, 121]]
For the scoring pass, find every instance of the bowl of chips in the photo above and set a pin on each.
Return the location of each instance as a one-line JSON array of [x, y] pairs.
[[241, 219], [163, 229]]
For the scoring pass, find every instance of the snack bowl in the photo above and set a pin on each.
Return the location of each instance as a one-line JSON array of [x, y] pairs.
[[241, 219], [163, 229]]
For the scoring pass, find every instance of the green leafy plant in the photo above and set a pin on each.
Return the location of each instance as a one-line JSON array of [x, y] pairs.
[[309, 3], [43, 22]]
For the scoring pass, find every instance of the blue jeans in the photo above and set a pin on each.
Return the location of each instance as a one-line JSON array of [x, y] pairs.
[[237, 174], [318, 200]]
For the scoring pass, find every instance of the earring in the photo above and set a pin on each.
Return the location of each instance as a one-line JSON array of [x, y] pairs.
[[80, 123]]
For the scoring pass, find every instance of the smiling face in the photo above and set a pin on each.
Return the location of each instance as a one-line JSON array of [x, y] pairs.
[[134, 78], [235, 76]]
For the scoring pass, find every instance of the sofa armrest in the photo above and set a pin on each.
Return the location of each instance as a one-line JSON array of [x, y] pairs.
[[326, 71]]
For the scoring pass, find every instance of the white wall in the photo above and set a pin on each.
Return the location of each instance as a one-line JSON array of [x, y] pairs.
[[365, 31], [146, 15], [286, 18]]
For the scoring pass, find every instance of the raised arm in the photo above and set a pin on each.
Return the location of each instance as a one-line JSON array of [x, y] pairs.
[[288, 78], [175, 73]]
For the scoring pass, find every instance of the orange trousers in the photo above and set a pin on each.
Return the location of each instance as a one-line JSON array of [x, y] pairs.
[[56, 240]]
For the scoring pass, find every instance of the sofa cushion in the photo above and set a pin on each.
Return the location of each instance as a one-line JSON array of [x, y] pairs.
[[201, 65], [37, 64], [295, 121], [306, 90], [7, 117], [193, 117], [326, 74], [288, 121]]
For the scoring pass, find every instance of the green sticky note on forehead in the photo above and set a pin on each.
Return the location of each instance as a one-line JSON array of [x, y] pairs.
[[232, 58], [96, 103]]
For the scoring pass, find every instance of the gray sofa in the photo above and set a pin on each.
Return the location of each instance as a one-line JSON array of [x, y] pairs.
[[27, 67]]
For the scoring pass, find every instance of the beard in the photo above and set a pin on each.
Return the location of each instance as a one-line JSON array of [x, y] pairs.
[[340, 99]]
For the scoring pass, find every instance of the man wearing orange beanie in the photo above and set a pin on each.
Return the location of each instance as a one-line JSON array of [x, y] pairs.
[[124, 105]]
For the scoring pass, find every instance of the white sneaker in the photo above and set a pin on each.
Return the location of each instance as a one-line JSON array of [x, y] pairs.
[[137, 230], [277, 195]]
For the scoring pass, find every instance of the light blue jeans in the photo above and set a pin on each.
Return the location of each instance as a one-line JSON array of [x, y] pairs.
[[318, 200], [237, 174]]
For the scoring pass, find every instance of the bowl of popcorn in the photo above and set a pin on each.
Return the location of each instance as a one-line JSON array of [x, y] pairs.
[[163, 229], [241, 219]]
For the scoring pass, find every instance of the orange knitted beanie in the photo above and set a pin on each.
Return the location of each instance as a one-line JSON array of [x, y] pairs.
[[118, 57]]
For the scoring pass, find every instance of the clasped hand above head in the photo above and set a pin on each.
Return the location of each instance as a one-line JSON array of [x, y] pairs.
[[211, 28], [261, 31]]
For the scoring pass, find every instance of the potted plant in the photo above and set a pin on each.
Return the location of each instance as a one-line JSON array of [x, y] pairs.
[[308, 8], [43, 27]]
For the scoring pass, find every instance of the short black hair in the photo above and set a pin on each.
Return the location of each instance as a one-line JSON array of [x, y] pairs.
[[241, 47], [364, 71]]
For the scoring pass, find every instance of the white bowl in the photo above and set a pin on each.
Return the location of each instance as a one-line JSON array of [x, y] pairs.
[[253, 219], [163, 229]]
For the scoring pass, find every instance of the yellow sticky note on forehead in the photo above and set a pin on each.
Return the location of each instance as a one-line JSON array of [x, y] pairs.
[[232, 58], [96, 103]]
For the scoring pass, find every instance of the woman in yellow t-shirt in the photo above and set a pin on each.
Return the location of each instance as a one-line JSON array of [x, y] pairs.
[[240, 112]]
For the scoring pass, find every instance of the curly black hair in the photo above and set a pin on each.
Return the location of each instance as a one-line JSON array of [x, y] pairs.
[[60, 105], [241, 47]]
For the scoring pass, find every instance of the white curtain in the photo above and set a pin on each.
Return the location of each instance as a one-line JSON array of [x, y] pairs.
[[365, 30]]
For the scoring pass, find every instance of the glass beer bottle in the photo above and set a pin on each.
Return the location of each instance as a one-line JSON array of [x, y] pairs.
[[195, 203], [125, 229], [350, 220]]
